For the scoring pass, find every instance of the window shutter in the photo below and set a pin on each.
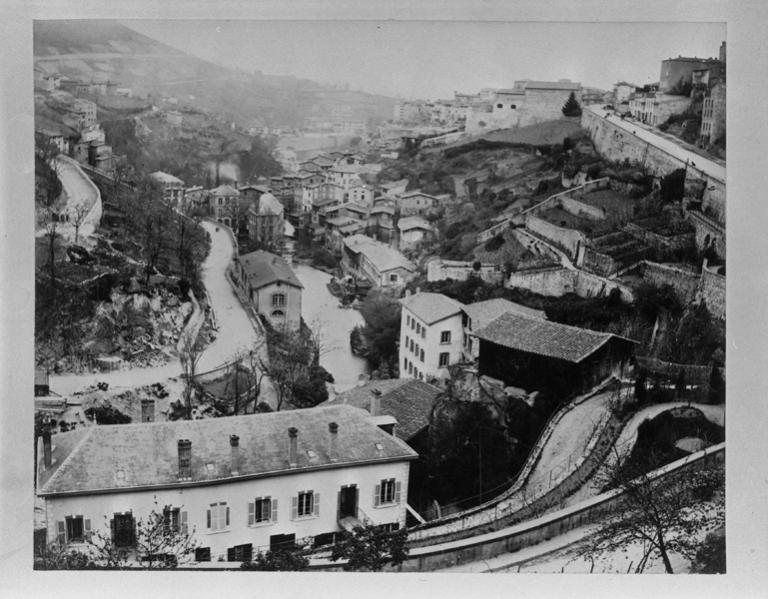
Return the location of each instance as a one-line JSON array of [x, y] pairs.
[[227, 522], [87, 528], [376, 495], [398, 487], [184, 523], [207, 518], [251, 513], [231, 554], [112, 529], [62, 532], [316, 503], [294, 507], [274, 510]]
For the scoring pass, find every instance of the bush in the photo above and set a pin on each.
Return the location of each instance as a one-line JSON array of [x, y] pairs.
[[278, 560], [494, 243]]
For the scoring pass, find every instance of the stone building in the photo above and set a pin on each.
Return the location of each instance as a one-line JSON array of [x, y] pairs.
[[266, 221], [272, 288], [173, 187], [713, 115]]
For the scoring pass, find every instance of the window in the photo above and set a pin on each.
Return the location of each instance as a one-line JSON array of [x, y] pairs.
[[444, 359], [418, 329], [306, 503], [217, 517], [513, 106], [278, 299], [75, 528], [393, 278], [499, 106], [421, 355], [203, 554], [387, 492], [240, 553], [410, 368], [262, 509], [405, 363], [407, 339], [324, 539], [407, 320], [445, 337], [424, 333], [389, 527], [171, 519]]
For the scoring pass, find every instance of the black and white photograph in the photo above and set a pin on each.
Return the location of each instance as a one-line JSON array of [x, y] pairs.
[[381, 295]]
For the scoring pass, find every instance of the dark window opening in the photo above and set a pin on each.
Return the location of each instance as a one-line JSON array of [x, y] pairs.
[[74, 528], [324, 539], [282, 542], [240, 553], [203, 554]]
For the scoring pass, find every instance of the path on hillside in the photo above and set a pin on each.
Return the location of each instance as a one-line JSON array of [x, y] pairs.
[[78, 190], [235, 331]]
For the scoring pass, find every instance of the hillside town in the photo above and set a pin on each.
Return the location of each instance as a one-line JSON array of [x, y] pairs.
[[473, 334]]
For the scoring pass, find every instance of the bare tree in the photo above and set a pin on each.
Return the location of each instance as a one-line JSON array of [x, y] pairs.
[[663, 515], [159, 541], [190, 353], [77, 216], [52, 235]]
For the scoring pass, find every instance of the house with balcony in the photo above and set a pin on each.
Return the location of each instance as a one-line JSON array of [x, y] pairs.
[[237, 485], [272, 288]]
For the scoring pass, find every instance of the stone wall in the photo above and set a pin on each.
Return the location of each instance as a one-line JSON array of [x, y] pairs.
[[581, 209], [684, 283], [708, 232], [711, 291], [556, 282], [569, 240], [440, 270], [597, 262], [657, 241]]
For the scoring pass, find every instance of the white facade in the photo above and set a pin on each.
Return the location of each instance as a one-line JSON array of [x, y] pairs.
[[426, 350], [282, 491]]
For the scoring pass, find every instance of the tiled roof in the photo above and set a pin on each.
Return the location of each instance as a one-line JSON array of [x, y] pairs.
[[544, 338], [483, 313], [408, 401], [225, 190], [147, 453], [408, 223], [431, 307], [413, 194], [268, 204], [382, 256], [263, 268], [382, 208]]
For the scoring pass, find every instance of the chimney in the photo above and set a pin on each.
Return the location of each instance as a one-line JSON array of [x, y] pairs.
[[234, 452], [47, 459], [185, 458], [375, 400], [293, 434], [333, 428]]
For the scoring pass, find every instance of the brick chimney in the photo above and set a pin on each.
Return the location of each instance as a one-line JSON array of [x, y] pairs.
[[47, 454], [333, 451], [293, 434], [375, 401], [234, 452], [185, 458]]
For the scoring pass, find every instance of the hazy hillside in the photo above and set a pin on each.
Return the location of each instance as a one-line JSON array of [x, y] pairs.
[[105, 49]]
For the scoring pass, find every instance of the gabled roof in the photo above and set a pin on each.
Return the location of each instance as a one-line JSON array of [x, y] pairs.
[[544, 338], [408, 223], [483, 313], [431, 307], [224, 190], [263, 268], [382, 209], [382, 256], [147, 453], [268, 204], [413, 194], [165, 178], [407, 400]]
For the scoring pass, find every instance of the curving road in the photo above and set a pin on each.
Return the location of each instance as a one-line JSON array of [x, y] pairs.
[[235, 330]]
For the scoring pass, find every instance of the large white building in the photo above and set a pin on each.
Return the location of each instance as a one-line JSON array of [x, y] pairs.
[[238, 484], [435, 331]]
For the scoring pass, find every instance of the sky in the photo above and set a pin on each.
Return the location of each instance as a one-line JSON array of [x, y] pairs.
[[432, 59]]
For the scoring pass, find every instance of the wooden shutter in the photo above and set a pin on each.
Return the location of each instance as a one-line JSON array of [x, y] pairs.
[[251, 513], [112, 530], [61, 536], [338, 504], [274, 510], [87, 528], [184, 523], [294, 507], [398, 488], [231, 554], [207, 518], [316, 503], [227, 520], [376, 495]]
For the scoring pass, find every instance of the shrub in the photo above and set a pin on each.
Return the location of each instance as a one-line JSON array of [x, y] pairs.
[[494, 243]]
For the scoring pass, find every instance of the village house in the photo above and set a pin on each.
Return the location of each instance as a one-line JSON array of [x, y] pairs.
[[414, 230], [406, 401], [225, 205], [382, 220], [431, 335], [713, 115], [237, 485], [361, 194], [85, 111], [57, 138], [375, 261], [345, 175], [416, 202], [394, 188], [536, 354], [480, 314], [173, 187], [655, 108], [339, 227], [266, 221], [272, 288]]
